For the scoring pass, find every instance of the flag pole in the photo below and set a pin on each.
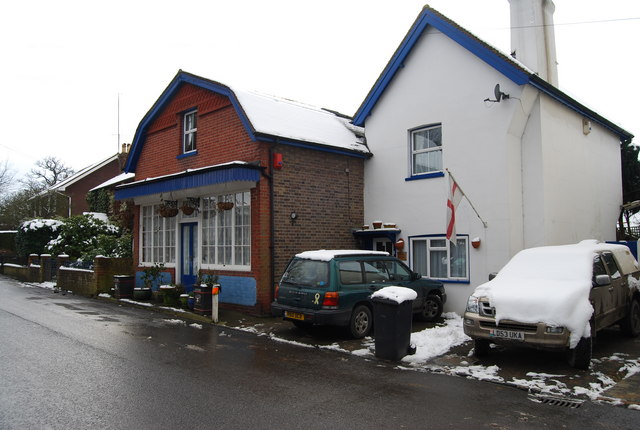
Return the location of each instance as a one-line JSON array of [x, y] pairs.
[[484, 223]]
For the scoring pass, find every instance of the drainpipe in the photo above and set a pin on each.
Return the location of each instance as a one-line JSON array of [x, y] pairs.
[[272, 264]]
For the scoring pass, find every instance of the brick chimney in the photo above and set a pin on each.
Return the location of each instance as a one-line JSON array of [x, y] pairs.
[[533, 38]]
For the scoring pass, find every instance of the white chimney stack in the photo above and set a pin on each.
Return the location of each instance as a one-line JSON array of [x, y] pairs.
[[533, 38]]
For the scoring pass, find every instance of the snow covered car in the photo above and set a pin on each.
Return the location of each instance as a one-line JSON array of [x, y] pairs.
[[557, 298], [330, 287]]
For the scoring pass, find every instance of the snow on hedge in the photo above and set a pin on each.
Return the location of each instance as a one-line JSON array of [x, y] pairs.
[[38, 223]]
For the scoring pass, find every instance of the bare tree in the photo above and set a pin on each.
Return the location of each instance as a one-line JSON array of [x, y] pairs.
[[6, 176], [48, 172]]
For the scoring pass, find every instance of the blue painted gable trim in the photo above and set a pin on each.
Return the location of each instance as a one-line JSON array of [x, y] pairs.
[[165, 98], [187, 181], [463, 38], [489, 55]]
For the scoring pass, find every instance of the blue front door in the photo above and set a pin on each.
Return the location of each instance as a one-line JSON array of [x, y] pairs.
[[189, 255]]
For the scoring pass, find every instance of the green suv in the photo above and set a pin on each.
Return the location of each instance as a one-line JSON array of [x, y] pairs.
[[334, 288]]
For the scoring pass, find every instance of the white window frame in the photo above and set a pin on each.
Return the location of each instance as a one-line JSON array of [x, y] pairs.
[[157, 238], [432, 246], [415, 152], [226, 235], [189, 131]]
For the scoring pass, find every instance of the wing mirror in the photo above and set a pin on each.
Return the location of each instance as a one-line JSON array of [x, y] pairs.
[[602, 281]]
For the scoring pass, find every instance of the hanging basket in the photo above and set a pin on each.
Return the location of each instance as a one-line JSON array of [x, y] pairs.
[[168, 208], [187, 210], [225, 206]]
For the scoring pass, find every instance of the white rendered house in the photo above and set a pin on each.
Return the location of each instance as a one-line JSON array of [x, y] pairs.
[[539, 167]]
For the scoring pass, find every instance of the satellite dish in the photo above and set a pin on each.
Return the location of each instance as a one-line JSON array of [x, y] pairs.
[[497, 93]]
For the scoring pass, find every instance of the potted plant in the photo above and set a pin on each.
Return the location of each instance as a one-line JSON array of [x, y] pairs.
[[150, 277], [184, 300], [170, 294]]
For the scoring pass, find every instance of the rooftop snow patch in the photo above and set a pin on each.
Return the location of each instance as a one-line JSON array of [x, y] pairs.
[[288, 119]]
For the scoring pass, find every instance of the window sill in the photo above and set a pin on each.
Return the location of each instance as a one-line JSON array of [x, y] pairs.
[[425, 176], [187, 154]]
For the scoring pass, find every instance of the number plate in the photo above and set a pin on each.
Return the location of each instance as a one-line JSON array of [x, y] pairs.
[[507, 334], [294, 315]]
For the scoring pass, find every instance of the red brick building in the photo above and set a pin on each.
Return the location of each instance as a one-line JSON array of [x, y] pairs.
[[69, 197], [234, 183]]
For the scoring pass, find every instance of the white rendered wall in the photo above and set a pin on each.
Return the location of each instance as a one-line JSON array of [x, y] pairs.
[[524, 162], [442, 83]]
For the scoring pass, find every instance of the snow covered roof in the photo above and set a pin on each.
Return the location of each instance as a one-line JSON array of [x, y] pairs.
[[505, 64], [62, 185], [268, 119], [122, 177]]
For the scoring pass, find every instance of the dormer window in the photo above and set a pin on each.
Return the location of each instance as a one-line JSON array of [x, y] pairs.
[[189, 129]]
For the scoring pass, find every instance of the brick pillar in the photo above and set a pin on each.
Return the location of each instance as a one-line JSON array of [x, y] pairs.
[[33, 273], [33, 259], [45, 267], [63, 259], [103, 273]]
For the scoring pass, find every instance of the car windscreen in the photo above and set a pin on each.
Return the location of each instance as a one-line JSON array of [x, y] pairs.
[[307, 273]]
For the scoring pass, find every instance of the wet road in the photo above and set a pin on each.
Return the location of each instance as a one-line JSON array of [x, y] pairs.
[[72, 362]]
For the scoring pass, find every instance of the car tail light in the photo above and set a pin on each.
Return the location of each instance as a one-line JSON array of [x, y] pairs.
[[275, 294], [330, 300]]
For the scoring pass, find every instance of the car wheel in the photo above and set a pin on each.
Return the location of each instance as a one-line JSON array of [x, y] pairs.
[[580, 356], [481, 347], [432, 309], [361, 322], [631, 322]]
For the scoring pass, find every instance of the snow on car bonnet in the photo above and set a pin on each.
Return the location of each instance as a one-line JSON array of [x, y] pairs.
[[547, 284], [395, 294]]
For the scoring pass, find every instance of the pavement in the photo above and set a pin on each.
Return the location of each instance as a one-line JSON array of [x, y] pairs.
[[614, 376]]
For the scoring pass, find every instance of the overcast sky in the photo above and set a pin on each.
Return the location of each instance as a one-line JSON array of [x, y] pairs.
[[65, 63]]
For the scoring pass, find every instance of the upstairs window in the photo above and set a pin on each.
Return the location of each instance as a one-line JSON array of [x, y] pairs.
[[189, 129], [426, 150]]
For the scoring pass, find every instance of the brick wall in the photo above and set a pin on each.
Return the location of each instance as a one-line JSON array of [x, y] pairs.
[[325, 190], [78, 190], [221, 137]]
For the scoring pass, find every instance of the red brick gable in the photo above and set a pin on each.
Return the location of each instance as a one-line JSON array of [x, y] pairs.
[[221, 136]]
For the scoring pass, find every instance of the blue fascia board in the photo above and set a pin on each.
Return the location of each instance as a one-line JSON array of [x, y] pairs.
[[187, 181], [463, 38], [165, 98]]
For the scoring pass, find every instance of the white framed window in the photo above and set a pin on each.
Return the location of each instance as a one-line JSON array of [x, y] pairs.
[[189, 129], [426, 150], [157, 237], [437, 258], [226, 232]]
